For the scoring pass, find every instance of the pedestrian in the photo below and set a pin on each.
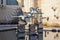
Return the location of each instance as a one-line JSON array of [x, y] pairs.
[[19, 12], [21, 25], [36, 23]]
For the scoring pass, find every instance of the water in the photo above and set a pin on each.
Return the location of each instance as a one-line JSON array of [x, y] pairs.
[[40, 37], [33, 37]]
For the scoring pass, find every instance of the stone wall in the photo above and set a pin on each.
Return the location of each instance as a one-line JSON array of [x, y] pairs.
[[7, 13], [51, 9]]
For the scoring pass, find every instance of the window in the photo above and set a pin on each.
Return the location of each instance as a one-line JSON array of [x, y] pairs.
[[11, 2], [22, 3]]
